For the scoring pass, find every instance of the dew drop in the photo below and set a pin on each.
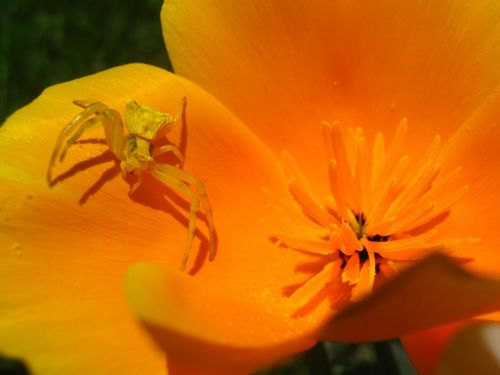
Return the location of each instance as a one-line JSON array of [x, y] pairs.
[[16, 249], [29, 196]]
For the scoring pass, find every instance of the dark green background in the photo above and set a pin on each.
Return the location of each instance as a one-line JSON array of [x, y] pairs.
[[46, 42], [51, 41]]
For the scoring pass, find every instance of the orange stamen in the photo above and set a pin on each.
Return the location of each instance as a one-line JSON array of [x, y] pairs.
[[351, 271], [381, 213], [316, 247], [351, 242], [337, 188], [361, 174], [313, 285], [309, 205]]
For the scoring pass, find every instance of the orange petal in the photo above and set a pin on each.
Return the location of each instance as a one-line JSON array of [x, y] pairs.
[[280, 64], [426, 347], [351, 272], [364, 285], [66, 248], [434, 292], [197, 324], [475, 146], [474, 350]]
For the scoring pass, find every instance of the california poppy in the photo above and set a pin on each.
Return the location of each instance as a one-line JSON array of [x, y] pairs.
[[280, 69]]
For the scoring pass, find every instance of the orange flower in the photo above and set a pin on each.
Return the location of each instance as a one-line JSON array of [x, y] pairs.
[[282, 69]]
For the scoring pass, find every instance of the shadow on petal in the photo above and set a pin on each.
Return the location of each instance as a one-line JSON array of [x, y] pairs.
[[434, 292], [474, 350], [198, 325]]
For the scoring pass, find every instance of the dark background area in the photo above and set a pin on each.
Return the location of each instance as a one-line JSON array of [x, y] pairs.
[[52, 41]]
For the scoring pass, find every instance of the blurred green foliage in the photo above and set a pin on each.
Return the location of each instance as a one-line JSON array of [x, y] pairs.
[[327, 358], [51, 41], [11, 366]]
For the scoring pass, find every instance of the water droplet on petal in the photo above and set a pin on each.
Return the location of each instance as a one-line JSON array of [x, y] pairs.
[[16, 249]]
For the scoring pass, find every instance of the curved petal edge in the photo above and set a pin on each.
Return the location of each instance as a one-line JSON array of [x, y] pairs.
[[434, 292]]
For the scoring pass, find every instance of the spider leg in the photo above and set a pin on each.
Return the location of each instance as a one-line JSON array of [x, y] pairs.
[[180, 180], [114, 133], [181, 187], [170, 125], [174, 150], [92, 107], [85, 103], [113, 130], [85, 126]]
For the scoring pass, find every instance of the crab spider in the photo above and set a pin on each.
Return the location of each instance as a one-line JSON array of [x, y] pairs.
[[137, 152]]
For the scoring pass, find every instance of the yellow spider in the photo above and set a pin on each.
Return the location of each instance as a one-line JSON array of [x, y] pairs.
[[137, 153]]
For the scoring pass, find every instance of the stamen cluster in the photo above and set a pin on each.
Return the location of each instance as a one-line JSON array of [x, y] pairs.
[[382, 211]]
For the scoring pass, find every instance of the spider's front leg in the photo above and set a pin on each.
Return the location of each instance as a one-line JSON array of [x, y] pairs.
[[94, 113], [181, 181], [81, 120]]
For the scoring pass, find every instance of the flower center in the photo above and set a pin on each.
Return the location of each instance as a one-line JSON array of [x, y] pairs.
[[382, 212]]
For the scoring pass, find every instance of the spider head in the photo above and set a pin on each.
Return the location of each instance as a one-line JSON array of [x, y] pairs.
[[144, 121]]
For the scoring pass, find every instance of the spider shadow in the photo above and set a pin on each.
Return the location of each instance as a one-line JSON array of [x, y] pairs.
[[152, 193], [155, 195], [107, 175]]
